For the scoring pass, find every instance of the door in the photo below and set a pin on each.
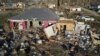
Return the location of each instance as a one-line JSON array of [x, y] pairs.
[[31, 24], [20, 26], [64, 27]]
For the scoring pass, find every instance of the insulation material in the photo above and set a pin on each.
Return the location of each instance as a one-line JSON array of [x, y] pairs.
[[50, 31]]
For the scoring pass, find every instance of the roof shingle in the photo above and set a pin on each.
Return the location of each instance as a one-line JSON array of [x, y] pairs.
[[39, 13]]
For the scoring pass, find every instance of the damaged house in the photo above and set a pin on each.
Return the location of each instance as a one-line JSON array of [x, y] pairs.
[[67, 24], [34, 17]]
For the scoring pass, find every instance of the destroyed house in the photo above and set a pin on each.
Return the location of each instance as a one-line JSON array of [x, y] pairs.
[[68, 24], [33, 17]]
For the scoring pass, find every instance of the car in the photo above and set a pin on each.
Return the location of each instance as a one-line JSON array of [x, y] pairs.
[[87, 18]]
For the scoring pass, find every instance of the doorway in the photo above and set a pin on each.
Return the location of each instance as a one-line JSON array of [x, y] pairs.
[[16, 25], [64, 27], [40, 23], [31, 24]]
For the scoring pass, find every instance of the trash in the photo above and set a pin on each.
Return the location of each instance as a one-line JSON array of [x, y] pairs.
[[39, 41]]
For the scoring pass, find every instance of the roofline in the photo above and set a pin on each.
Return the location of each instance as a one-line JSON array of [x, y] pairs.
[[36, 19]]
